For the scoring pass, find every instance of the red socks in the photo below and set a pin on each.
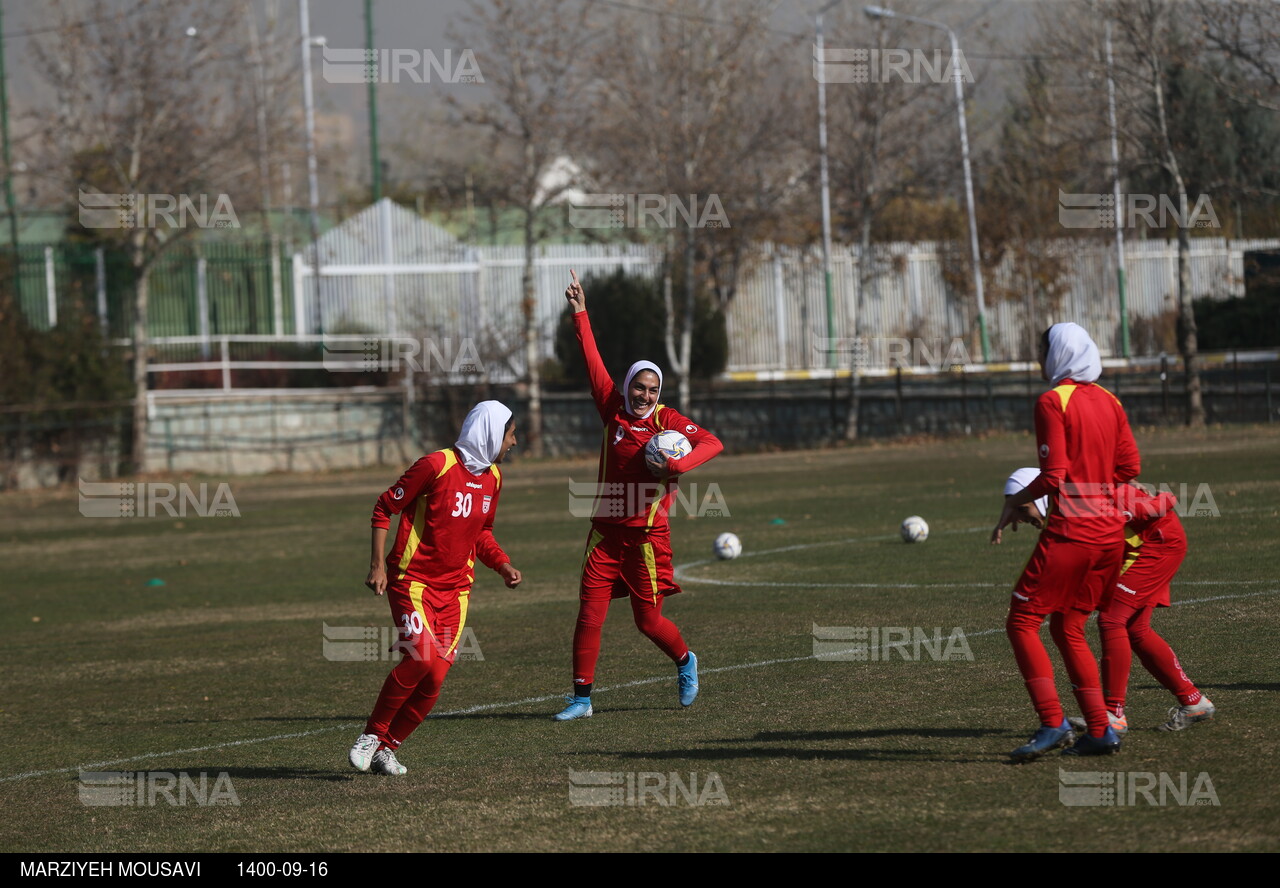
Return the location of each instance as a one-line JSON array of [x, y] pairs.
[[1023, 629], [1124, 628], [649, 620]]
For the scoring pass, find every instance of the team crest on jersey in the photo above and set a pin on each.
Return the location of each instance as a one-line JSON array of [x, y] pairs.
[[690, 429], [398, 493], [1044, 451], [617, 436], [484, 507]]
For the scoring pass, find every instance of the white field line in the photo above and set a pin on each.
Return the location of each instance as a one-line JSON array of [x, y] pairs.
[[485, 707]]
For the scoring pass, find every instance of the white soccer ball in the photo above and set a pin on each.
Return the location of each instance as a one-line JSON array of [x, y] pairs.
[[915, 529], [663, 446], [727, 546]]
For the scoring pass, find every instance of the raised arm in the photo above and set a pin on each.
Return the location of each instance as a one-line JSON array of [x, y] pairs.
[[607, 397]]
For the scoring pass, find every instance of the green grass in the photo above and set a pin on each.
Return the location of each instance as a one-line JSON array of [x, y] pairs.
[[221, 670]]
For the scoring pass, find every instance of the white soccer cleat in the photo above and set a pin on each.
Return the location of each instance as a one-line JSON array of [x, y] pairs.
[[1183, 717], [361, 755], [384, 762]]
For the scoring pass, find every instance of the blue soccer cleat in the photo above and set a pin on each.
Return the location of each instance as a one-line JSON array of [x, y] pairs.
[[1044, 740], [579, 707], [687, 676], [1107, 744]]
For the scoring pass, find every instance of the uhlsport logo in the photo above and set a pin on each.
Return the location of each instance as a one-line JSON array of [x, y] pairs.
[[1087, 210], [882, 643], [153, 499], [150, 788], [640, 788], [622, 210], [399, 66], [1094, 789], [875, 65], [149, 210]]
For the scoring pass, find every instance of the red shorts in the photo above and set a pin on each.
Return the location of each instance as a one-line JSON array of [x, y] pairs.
[[427, 628], [627, 560], [1064, 575], [1145, 583]]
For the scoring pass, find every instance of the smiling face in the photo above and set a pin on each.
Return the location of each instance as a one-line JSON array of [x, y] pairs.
[[642, 395]]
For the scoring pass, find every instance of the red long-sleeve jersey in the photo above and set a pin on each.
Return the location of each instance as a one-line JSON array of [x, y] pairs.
[[1151, 522], [446, 521], [626, 492], [1085, 447]]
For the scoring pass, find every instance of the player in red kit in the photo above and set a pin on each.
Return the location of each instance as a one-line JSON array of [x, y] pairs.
[[629, 547], [1085, 447], [446, 501], [1154, 547]]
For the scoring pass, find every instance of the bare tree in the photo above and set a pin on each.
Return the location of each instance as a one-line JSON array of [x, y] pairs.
[[153, 112], [695, 123], [532, 58]]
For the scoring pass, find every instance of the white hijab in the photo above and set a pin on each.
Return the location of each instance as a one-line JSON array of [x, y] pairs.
[[1019, 480], [638, 367], [480, 440], [1072, 355]]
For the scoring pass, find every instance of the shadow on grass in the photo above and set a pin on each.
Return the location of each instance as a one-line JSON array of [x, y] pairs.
[[331, 775], [782, 752], [802, 736], [1241, 686]]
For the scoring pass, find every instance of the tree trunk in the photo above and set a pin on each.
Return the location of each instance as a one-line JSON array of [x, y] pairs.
[[533, 372], [686, 335], [1187, 343], [141, 347]]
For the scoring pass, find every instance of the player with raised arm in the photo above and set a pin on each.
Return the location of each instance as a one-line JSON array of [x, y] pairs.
[[1085, 446], [447, 501], [628, 549]]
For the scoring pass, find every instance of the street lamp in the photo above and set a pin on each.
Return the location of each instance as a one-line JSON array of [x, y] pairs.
[[875, 12], [825, 179]]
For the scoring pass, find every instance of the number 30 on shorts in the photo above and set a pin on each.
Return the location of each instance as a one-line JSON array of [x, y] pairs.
[[462, 506], [412, 624]]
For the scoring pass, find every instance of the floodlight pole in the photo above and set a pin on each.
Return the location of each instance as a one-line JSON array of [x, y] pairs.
[[313, 185], [825, 179], [879, 12]]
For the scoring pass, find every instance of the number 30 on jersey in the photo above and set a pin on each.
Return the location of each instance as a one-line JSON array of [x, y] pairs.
[[462, 507]]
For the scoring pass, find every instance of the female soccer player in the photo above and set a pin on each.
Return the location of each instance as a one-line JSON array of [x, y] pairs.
[[1085, 447], [1154, 547], [446, 501], [629, 547]]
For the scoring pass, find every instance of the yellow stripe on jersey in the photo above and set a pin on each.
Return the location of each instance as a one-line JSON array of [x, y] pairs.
[[1064, 393], [463, 600], [497, 473], [415, 598], [471, 562], [1113, 397], [651, 563], [1134, 541], [657, 501], [592, 542], [420, 516], [657, 411]]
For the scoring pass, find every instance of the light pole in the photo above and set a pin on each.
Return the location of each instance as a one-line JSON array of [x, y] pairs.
[[825, 179], [313, 185], [879, 12]]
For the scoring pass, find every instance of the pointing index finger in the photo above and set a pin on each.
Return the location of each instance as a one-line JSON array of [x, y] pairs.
[[574, 274]]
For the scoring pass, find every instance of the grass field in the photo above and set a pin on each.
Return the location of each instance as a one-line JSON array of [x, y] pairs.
[[221, 670]]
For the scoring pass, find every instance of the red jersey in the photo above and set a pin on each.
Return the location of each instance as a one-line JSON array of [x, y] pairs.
[[1153, 529], [1085, 448], [627, 493], [446, 520]]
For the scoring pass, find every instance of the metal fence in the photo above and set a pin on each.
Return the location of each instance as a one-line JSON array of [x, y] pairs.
[[204, 295]]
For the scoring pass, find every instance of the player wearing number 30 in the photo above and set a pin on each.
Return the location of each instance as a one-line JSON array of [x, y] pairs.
[[446, 501]]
